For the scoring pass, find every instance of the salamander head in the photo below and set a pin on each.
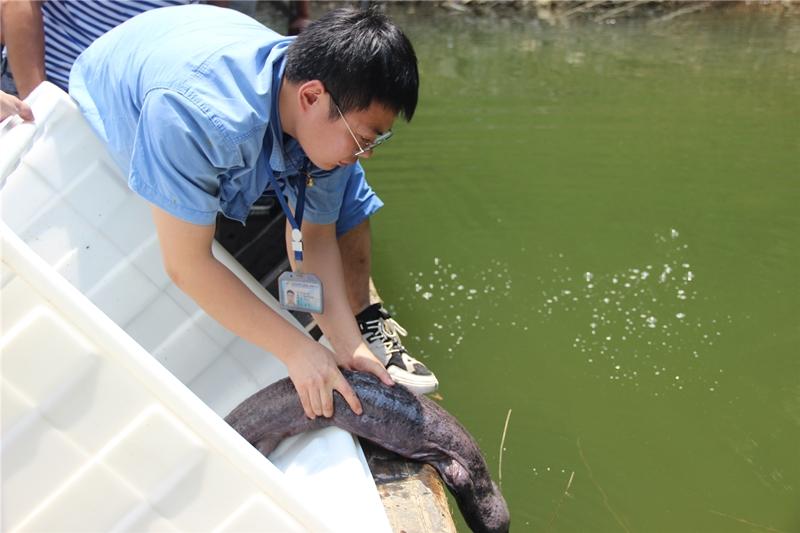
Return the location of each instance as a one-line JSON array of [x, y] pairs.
[[479, 500], [487, 513]]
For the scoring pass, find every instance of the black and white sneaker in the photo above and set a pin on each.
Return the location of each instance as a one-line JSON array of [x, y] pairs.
[[382, 334]]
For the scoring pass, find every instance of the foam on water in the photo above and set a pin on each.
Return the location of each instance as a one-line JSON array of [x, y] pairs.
[[640, 326], [642, 323], [457, 297]]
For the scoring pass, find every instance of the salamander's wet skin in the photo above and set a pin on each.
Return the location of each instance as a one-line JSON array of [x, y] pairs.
[[395, 418]]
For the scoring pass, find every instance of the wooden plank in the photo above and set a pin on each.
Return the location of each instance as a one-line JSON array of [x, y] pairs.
[[412, 493]]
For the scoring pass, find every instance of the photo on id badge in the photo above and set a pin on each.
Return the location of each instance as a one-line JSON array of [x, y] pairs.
[[300, 292]]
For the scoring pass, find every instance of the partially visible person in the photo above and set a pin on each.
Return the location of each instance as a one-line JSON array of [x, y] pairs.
[[42, 39], [299, 17], [11, 105], [204, 110]]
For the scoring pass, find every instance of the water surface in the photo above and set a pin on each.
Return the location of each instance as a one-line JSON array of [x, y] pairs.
[[598, 227]]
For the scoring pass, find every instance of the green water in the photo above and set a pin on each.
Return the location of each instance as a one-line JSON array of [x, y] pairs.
[[598, 227]]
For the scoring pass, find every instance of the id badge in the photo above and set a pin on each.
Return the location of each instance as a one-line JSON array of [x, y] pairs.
[[299, 291]]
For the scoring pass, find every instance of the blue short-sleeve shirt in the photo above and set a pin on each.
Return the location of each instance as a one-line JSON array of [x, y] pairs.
[[186, 98]]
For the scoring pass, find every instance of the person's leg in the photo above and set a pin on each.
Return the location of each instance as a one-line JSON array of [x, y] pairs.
[[359, 203], [380, 331], [356, 249]]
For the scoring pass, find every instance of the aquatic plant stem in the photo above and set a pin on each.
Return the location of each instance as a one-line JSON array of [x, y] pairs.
[[502, 445], [746, 522], [600, 489], [560, 501]]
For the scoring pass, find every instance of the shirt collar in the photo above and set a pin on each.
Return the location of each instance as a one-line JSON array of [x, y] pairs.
[[276, 158]]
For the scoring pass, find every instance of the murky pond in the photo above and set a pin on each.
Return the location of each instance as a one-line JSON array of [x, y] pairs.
[[598, 227]]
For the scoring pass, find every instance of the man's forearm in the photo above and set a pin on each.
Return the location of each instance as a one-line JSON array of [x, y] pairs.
[[23, 35], [223, 296], [321, 256], [186, 251]]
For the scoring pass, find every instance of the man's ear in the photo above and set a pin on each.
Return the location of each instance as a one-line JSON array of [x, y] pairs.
[[309, 94]]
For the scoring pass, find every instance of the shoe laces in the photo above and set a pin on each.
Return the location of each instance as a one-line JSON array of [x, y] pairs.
[[389, 331], [391, 328]]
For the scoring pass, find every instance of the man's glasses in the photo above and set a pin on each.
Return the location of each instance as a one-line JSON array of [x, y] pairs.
[[380, 139]]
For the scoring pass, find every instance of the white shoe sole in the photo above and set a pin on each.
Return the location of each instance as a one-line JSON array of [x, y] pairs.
[[417, 384]]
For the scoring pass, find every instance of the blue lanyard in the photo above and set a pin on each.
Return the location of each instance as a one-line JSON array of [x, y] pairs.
[[297, 220]]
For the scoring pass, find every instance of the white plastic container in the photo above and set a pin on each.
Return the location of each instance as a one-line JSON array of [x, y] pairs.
[[114, 382]]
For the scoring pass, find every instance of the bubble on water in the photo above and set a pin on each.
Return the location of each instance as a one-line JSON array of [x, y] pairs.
[[664, 329], [450, 294]]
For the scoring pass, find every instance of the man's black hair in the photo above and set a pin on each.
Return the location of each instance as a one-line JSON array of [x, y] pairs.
[[360, 56]]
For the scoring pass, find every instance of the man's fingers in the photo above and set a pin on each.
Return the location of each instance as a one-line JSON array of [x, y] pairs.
[[24, 110], [384, 375], [11, 105], [349, 396], [316, 403], [327, 403], [306, 403], [373, 366]]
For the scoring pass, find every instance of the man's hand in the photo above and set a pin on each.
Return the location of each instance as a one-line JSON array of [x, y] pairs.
[[364, 360], [186, 249], [315, 376], [321, 252], [11, 105]]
